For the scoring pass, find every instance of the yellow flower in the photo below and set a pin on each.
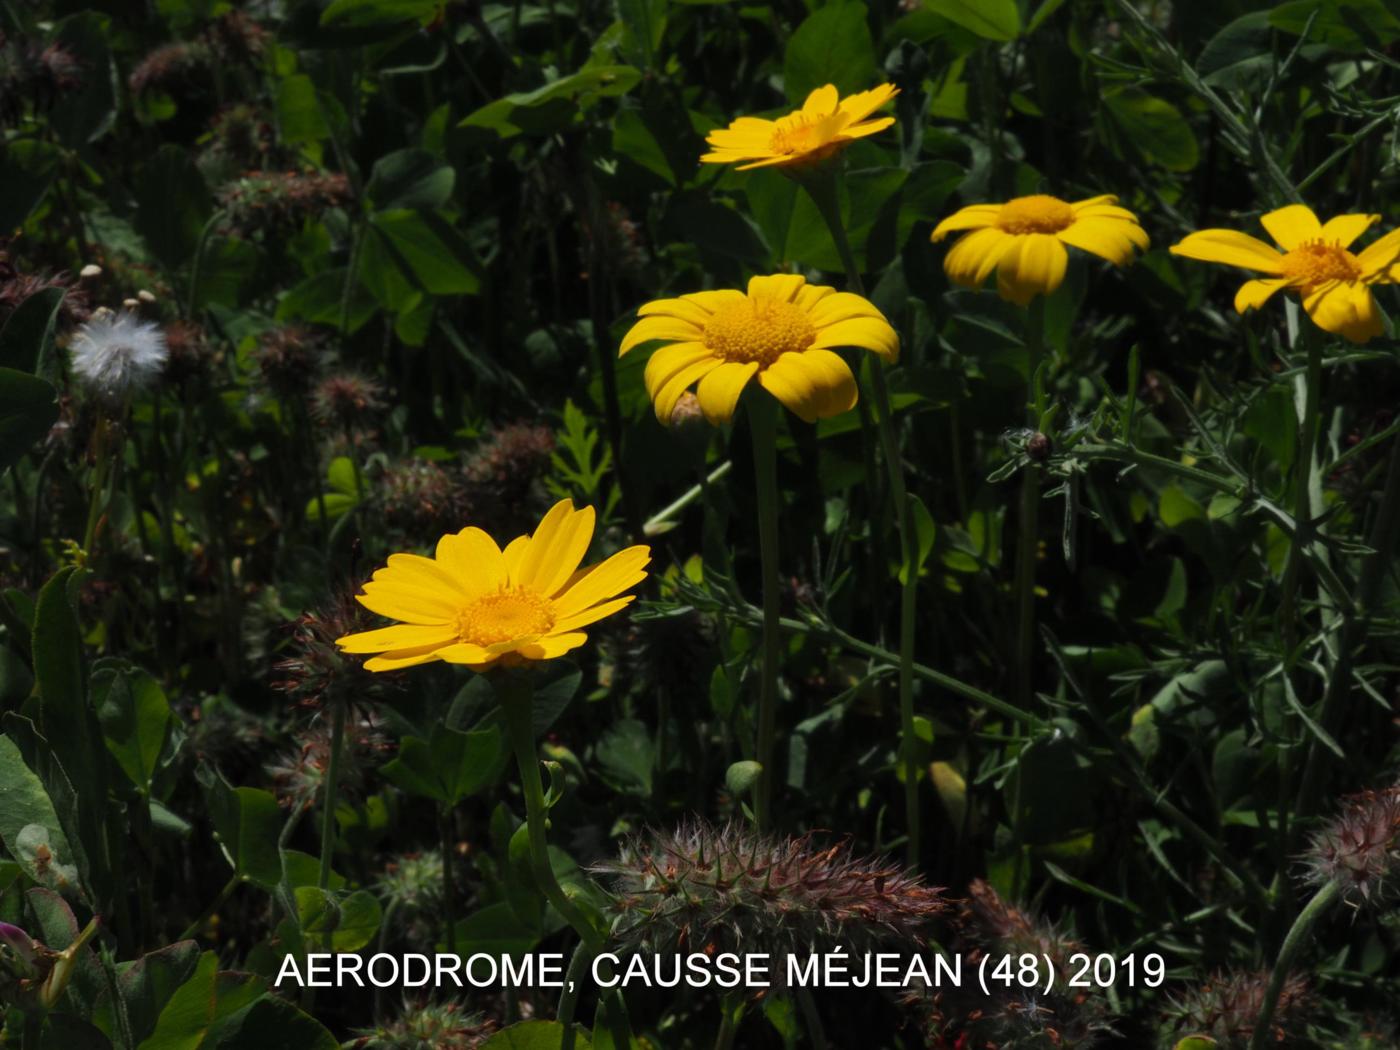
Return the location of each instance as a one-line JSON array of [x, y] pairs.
[[1024, 241], [1316, 262], [475, 604], [826, 124], [782, 331]]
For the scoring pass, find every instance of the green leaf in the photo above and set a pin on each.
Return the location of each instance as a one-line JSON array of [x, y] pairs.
[[1240, 56], [28, 409], [148, 984], [300, 119], [1155, 127], [831, 46], [135, 718], [29, 824], [27, 169], [360, 14], [248, 823], [552, 107], [535, 1035], [741, 776], [925, 530], [1350, 25], [197, 1004], [412, 179], [60, 667], [495, 930], [429, 251], [646, 22], [1196, 1042], [172, 205], [273, 1023], [351, 922], [990, 19], [627, 756], [450, 766], [318, 299]]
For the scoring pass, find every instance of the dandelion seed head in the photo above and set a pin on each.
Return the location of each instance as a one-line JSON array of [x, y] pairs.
[[116, 355]]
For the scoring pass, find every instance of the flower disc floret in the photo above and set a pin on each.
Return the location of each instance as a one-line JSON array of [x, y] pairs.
[[1024, 241], [759, 330], [476, 604], [1316, 263], [781, 332]]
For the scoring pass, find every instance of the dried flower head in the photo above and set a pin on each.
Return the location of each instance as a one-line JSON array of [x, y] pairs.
[[989, 925], [1360, 847], [735, 889], [289, 358], [347, 400], [502, 476], [1226, 1006], [420, 497], [171, 68], [275, 202], [38, 74], [16, 287], [242, 137], [428, 1026], [299, 777], [235, 39], [413, 881], [117, 355], [191, 353], [314, 670]]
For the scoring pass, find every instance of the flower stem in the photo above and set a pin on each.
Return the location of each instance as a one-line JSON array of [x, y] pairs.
[[822, 190], [449, 884], [763, 430], [1302, 485], [1030, 509], [332, 787], [516, 697], [731, 1010], [568, 998], [811, 1018], [1300, 933]]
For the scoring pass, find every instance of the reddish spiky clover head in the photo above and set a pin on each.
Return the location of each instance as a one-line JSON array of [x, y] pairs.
[[1226, 1006], [1359, 848], [734, 889], [347, 400], [428, 1026]]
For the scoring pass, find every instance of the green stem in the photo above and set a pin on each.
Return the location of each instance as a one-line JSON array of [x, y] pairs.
[[731, 1011], [568, 998], [332, 786], [101, 463], [763, 429], [449, 885], [1302, 487], [812, 1019], [516, 697], [1029, 544], [823, 193], [1300, 933], [192, 930]]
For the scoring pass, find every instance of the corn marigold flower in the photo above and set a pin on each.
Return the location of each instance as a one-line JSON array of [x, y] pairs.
[[478, 605], [1024, 241], [782, 331], [1333, 282], [825, 125], [115, 355]]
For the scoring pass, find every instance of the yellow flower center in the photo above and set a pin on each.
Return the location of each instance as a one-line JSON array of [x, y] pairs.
[[759, 330], [799, 133], [1038, 213], [511, 612], [1314, 262]]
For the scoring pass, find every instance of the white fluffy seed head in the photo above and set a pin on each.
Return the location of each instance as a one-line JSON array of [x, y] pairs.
[[116, 355]]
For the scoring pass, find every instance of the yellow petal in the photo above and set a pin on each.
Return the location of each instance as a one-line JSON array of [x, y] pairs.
[[809, 295], [780, 286], [867, 333], [1110, 239], [821, 101], [610, 577], [399, 636], [671, 329], [815, 384], [469, 654], [513, 555], [1035, 265], [976, 255], [720, 389], [1291, 225], [842, 307], [400, 658], [591, 615], [669, 360], [683, 309], [1231, 248], [473, 559], [407, 606], [869, 127], [1382, 257], [1344, 229], [664, 400], [1254, 294], [1345, 309], [716, 300], [553, 645], [1094, 202], [863, 103], [973, 217], [562, 534], [416, 572]]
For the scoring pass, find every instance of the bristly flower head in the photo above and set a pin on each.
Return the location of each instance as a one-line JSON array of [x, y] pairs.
[[347, 400], [736, 889], [1227, 1005], [1359, 849], [288, 359], [117, 355], [428, 1026], [276, 202]]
